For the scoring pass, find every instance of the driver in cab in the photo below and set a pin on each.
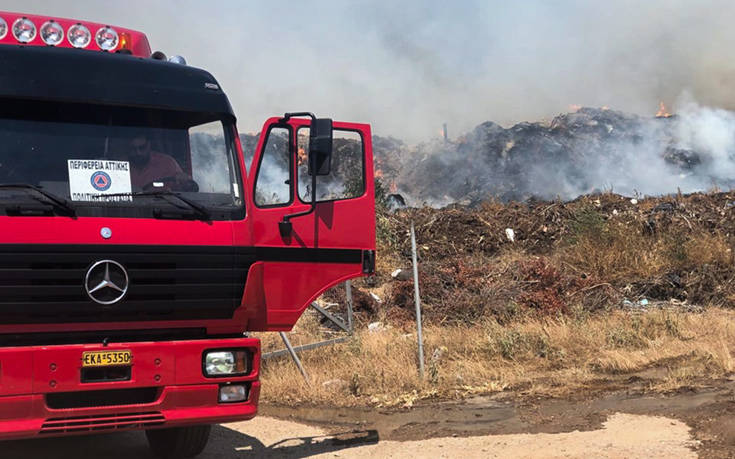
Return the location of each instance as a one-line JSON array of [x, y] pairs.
[[149, 167]]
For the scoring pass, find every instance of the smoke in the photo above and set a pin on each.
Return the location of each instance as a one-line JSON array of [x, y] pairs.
[[407, 67], [583, 152], [710, 131]]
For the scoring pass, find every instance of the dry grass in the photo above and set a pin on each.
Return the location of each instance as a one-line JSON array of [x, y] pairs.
[[537, 315], [617, 252], [548, 356]]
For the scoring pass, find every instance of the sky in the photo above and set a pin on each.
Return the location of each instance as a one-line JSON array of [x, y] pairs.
[[408, 66]]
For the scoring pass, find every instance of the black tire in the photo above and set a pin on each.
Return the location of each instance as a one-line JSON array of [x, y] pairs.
[[178, 442]]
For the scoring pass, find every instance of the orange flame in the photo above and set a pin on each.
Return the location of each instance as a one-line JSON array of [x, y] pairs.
[[574, 108], [378, 173], [302, 156], [662, 111], [393, 187]]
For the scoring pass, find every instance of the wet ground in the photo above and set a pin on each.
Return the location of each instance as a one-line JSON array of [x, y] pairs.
[[708, 410], [692, 422]]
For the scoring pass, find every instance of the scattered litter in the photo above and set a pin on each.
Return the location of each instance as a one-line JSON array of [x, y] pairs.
[[401, 274], [644, 305], [376, 327], [375, 297], [510, 234], [438, 353], [634, 201]]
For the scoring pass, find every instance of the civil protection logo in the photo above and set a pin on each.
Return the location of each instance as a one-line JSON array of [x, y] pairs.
[[101, 181]]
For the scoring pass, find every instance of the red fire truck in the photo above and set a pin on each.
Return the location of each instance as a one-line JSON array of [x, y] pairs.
[[139, 244]]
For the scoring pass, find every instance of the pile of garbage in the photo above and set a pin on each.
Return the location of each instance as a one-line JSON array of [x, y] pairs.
[[577, 153]]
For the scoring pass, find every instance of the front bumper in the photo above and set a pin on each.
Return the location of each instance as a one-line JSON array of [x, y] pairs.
[[171, 372]]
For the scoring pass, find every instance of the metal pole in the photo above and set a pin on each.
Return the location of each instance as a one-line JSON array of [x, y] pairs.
[[294, 356], [304, 347], [348, 295], [417, 301], [336, 321]]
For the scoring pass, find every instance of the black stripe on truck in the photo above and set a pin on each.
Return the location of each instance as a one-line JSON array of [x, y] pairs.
[[43, 283]]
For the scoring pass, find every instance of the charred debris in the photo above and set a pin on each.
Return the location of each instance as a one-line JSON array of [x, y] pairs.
[[586, 151]]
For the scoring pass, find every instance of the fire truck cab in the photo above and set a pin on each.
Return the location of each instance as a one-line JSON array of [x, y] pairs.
[[139, 244]]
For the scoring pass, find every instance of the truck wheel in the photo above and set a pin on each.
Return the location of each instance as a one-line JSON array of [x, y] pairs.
[[178, 442]]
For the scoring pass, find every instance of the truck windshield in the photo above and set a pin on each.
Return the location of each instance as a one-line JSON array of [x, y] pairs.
[[119, 161]]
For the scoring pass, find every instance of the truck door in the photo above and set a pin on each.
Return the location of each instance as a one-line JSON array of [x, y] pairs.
[[333, 243]]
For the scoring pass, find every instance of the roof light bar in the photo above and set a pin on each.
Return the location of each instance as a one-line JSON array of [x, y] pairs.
[[52, 33], [24, 30], [3, 28], [107, 38], [79, 35], [177, 60]]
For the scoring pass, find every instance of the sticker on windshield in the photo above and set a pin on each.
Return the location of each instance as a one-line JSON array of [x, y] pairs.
[[92, 180]]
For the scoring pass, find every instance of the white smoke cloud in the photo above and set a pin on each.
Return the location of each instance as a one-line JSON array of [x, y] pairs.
[[578, 153], [710, 131], [406, 67]]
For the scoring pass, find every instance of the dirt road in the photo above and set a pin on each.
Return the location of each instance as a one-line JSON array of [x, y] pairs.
[[623, 435], [689, 424]]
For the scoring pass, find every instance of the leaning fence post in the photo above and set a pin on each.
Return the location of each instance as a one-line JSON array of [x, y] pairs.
[[295, 357], [348, 295], [417, 301]]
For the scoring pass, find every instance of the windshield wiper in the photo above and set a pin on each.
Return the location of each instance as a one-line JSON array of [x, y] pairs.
[[199, 211], [58, 202]]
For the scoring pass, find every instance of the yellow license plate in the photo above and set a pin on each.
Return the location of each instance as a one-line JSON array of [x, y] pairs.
[[106, 358]]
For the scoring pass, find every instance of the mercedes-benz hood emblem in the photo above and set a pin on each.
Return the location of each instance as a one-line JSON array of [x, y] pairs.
[[106, 282]]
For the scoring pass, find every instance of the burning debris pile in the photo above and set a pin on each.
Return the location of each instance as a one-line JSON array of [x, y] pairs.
[[581, 152]]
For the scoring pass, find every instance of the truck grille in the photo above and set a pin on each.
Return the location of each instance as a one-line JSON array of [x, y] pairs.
[[45, 283], [104, 422]]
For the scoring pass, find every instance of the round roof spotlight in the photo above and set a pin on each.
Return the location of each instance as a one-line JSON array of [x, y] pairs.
[[24, 30], [52, 33], [3, 28], [79, 36], [107, 38], [177, 60]]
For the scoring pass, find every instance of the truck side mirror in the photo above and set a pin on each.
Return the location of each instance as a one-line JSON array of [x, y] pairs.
[[320, 146]]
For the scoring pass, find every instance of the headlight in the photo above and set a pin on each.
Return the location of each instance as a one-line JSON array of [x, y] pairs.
[[79, 36], [52, 33], [3, 28], [106, 38], [24, 30], [226, 363]]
